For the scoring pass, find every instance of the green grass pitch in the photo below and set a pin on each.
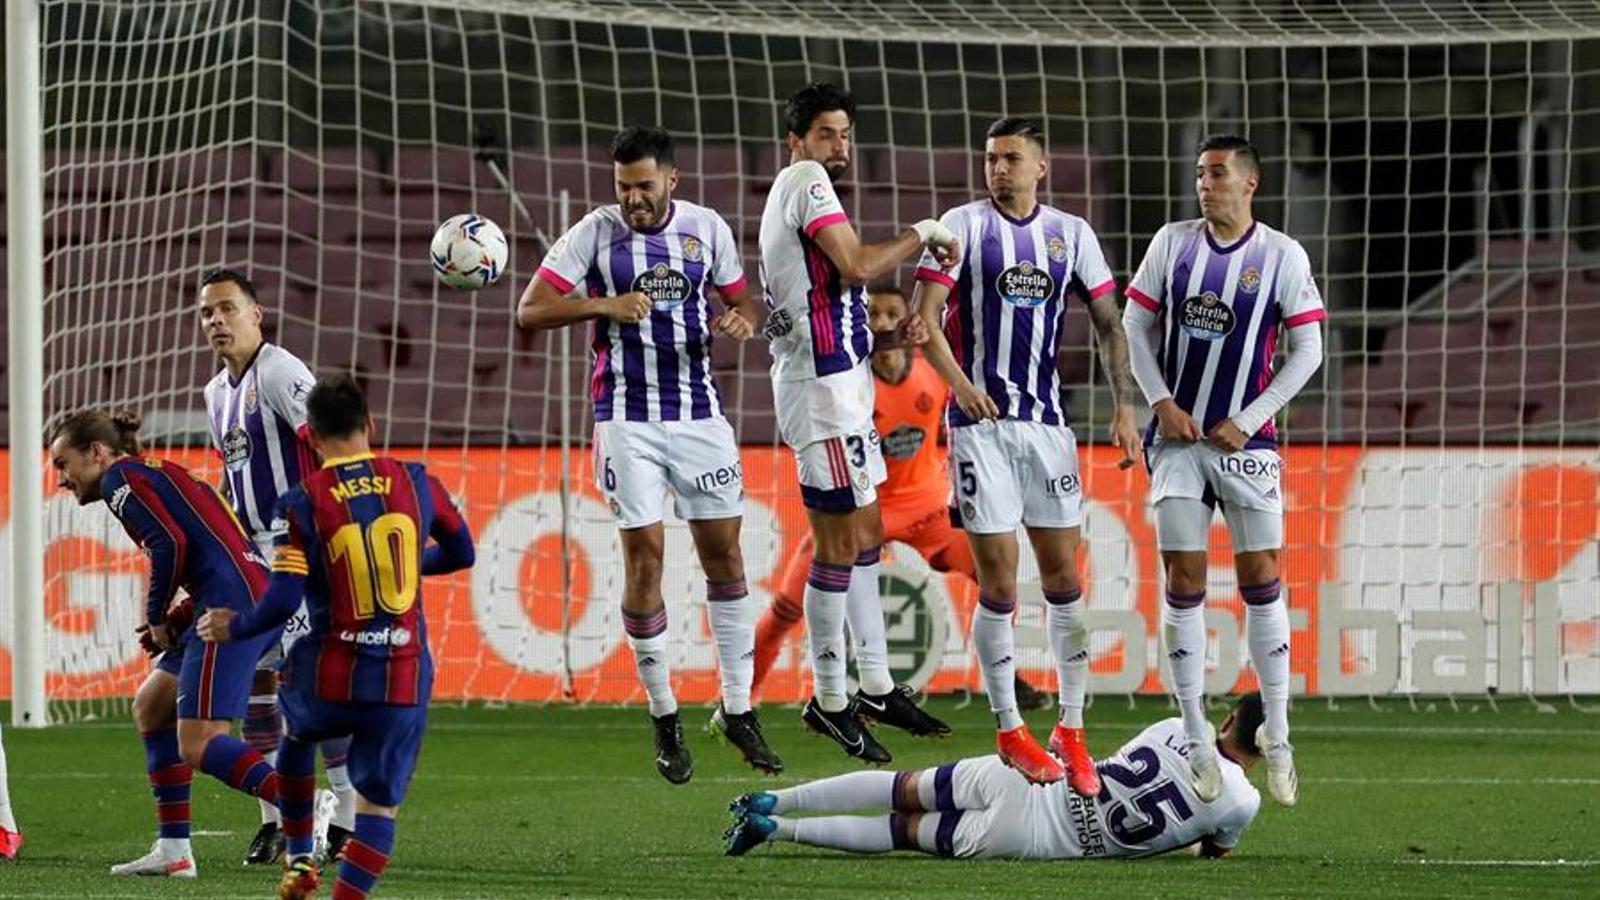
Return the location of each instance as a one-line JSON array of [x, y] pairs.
[[1428, 802]]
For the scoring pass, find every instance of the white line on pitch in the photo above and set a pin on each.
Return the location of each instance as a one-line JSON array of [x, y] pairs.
[[1509, 863]]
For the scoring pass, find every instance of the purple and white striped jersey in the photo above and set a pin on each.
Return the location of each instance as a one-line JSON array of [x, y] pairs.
[[1007, 301], [816, 323], [1223, 308], [657, 370], [256, 426]]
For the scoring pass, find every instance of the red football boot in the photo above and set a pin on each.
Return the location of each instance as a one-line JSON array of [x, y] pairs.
[[1021, 752], [1068, 745]]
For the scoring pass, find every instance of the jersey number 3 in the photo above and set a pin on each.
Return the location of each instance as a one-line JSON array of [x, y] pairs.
[[381, 559]]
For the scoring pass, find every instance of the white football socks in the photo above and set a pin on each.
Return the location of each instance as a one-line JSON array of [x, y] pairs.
[[733, 630], [827, 588], [1266, 618], [1183, 629], [841, 793], [995, 640], [864, 612], [1069, 645]]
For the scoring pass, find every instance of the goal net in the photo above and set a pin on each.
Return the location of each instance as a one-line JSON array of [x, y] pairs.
[[1439, 160]]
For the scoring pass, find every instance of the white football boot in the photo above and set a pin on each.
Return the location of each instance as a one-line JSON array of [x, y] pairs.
[[327, 805], [163, 860], [1282, 781], [1203, 765]]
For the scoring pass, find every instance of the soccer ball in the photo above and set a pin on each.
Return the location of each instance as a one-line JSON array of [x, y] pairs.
[[469, 252]]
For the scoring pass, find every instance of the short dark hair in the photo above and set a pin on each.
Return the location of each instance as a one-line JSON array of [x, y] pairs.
[[1020, 127], [1242, 149], [222, 275], [816, 98], [117, 430], [638, 142], [1248, 714], [885, 287], [336, 408]]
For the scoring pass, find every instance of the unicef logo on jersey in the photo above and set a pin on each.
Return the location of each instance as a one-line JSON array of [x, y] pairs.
[[1206, 318], [666, 287], [1025, 285], [236, 449]]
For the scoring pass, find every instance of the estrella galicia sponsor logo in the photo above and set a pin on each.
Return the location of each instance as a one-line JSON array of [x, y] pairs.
[[236, 448], [666, 287], [720, 477], [1206, 317], [904, 442], [1025, 285], [1249, 466], [119, 497]]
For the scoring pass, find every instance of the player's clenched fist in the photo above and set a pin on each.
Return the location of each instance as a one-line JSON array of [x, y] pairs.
[[733, 325], [630, 307], [214, 625], [975, 403], [1173, 424], [940, 241]]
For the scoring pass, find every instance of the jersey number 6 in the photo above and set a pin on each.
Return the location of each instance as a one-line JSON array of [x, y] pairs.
[[382, 560]]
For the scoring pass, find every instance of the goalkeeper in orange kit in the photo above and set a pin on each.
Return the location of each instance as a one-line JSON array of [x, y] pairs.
[[909, 404]]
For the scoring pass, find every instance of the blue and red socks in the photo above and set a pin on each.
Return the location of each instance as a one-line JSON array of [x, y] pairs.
[[170, 780], [365, 856], [297, 797], [241, 767]]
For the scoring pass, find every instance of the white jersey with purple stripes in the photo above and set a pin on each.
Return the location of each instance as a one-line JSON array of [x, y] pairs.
[[255, 424], [1223, 307], [1147, 803], [659, 369], [816, 323], [1008, 298]]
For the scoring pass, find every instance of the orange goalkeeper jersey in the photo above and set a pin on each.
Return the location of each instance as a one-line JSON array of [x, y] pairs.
[[907, 416]]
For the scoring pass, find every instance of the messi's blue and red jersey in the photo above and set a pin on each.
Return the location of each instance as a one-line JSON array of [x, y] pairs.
[[354, 542], [192, 537]]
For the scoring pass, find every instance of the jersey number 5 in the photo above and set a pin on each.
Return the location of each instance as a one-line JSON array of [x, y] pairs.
[[382, 562]]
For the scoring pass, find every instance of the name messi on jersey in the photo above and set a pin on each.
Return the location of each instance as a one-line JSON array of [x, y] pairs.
[[362, 486]]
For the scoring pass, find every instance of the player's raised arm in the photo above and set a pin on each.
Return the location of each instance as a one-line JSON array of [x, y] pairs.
[[545, 302], [860, 263]]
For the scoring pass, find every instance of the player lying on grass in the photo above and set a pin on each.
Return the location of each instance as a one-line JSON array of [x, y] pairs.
[[981, 808], [189, 702], [354, 545]]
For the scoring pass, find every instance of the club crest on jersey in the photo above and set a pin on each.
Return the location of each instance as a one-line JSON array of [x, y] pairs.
[[666, 287], [924, 402], [236, 448], [1250, 280], [1057, 248], [818, 192], [1206, 317], [692, 251], [250, 403], [1025, 285]]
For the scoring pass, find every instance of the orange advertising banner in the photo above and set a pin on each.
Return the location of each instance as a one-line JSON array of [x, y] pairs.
[[1397, 565]]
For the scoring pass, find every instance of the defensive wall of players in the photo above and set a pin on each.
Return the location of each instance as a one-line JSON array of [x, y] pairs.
[[1404, 569]]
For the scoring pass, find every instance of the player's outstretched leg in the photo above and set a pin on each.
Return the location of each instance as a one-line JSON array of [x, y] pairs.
[[729, 612], [1069, 645], [154, 712], [1267, 632], [996, 644], [10, 835], [297, 773], [366, 855], [828, 713], [262, 730], [342, 817], [1184, 632]]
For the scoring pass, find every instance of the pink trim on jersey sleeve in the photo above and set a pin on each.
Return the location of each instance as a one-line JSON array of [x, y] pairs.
[[926, 274], [1305, 318], [1109, 285], [554, 277], [1143, 299], [821, 222], [733, 287]]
